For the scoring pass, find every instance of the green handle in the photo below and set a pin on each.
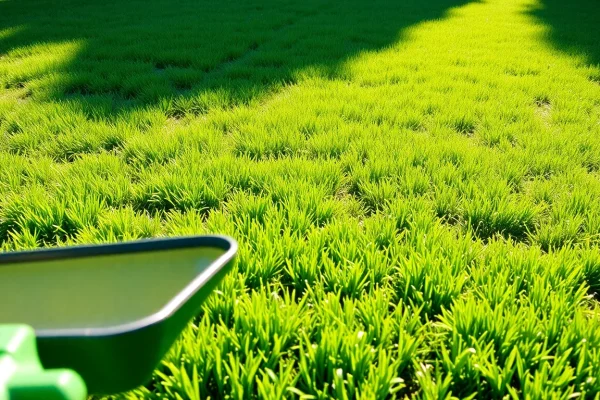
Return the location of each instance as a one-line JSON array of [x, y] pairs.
[[22, 376]]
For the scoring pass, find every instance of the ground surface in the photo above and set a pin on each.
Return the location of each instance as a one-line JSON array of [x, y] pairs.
[[414, 184]]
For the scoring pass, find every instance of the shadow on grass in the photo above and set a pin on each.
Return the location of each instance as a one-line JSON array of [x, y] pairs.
[[574, 26], [191, 55]]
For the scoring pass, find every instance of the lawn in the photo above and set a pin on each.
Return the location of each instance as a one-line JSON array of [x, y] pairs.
[[414, 185]]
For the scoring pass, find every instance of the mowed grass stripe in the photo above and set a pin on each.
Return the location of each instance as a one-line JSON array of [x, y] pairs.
[[414, 186]]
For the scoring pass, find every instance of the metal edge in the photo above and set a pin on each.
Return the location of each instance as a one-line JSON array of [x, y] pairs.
[[224, 242], [151, 244]]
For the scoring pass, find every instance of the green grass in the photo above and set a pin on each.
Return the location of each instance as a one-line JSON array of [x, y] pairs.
[[414, 184]]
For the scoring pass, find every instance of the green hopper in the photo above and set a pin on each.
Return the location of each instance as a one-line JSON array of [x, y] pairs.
[[103, 315]]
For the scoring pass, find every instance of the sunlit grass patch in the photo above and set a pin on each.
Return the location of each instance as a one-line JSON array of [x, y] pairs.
[[414, 185]]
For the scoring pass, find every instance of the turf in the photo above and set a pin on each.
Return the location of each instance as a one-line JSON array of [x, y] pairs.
[[414, 184]]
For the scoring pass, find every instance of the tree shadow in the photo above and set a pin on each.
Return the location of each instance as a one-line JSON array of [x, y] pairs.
[[190, 55], [574, 26]]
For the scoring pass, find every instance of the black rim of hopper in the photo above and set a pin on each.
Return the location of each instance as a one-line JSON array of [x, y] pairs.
[[144, 245]]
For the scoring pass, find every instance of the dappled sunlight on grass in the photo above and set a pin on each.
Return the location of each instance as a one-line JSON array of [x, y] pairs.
[[30, 63]]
